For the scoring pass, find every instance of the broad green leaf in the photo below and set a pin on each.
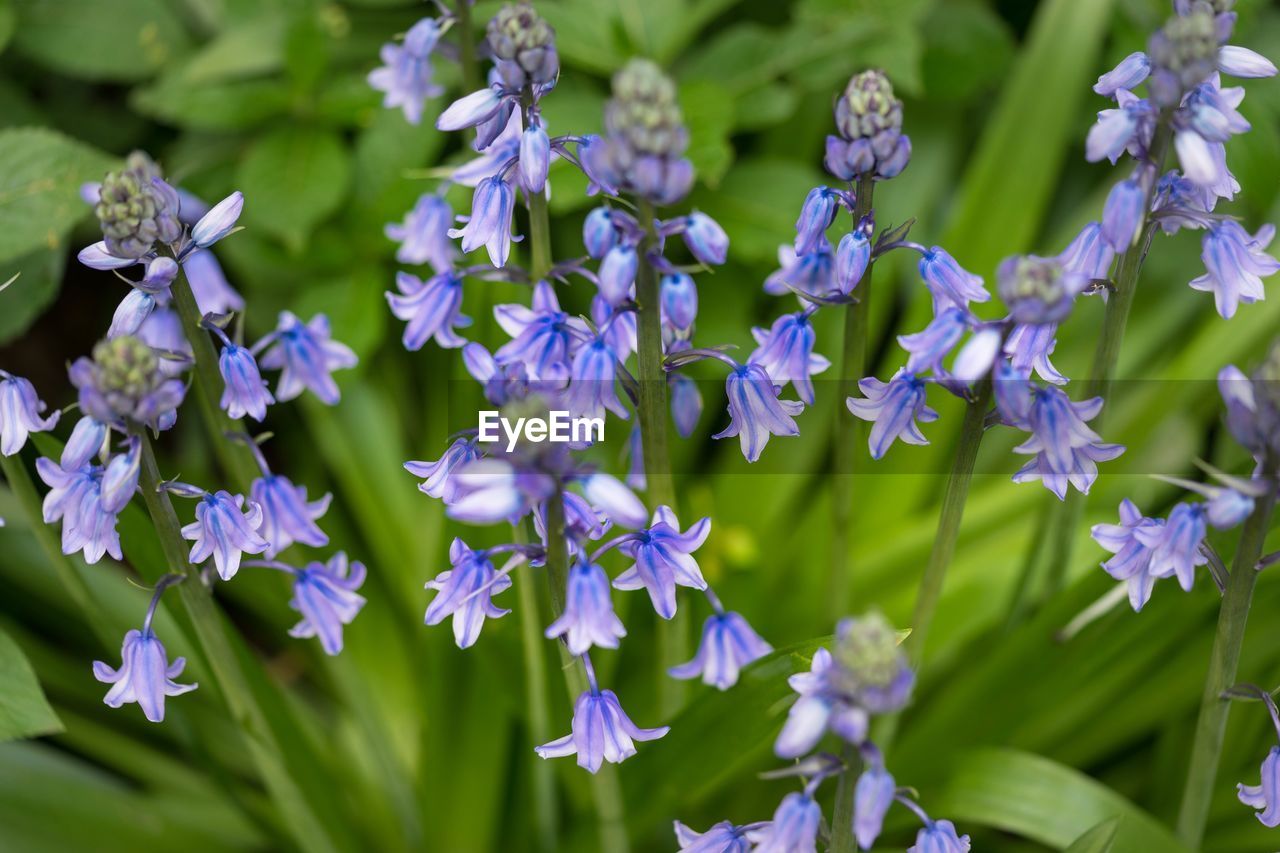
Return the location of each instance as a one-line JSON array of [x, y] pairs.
[[293, 178], [121, 40], [708, 111], [968, 48], [39, 274], [1097, 840], [24, 712], [1045, 801], [255, 47], [216, 105], [40, 188]]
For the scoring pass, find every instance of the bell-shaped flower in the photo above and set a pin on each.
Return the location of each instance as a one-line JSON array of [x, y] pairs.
[[466, 592], [896, 408], [325, 594], [588, 618], [306, 355], [432, 309], [786, 353], [404, 77], [1127, 127], [470, 110], [948, 283], [490, 222], [1066, 450], [618, 273], [543, 337], [424, 234], [599, 234], [1131, 556], [722, 837], [75, 499], [219, 221], [20, 410], [939, 837], [437, 476], [535, 159], [814, 273], [686, 404], [1175, 545], [1088, 254], [601, 732], [244, 390], [1028, 348], [1236, 262], [492, 490], [226, 531], [1131, 71], [872, 796], [145, 675], [678, 297], [591, 382], [1123, 215], [928, 348], [663, 560], [86, 441], [213, 293], [755, 411], [287, 515], [853, 256], [815, 216], [794, 828], [705, 239], [120, 477], [728, 644], [1265, 797]]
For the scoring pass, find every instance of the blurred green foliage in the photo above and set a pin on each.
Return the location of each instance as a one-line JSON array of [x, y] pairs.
[[1027, 742]]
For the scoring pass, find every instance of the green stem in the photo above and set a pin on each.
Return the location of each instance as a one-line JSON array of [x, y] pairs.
[[848, 429], [842, 840], [15, 472], [545, 809], [234, 457], [1211, 725], [467, 46], [222, 663]]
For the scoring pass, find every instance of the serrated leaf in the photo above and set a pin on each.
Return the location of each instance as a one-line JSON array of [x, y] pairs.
[[121, 40], [40, 188], [24, 712], [292, 179]]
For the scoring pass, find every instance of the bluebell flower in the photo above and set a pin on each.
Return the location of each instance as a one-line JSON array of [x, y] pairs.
[[601, 732], [543, 336], [786, 353], [1038, 291], [663, 560], [722, 837], [1203, 124], [618, 273], [1129, 126], [145, 675], [1175, 545], [162, 331], [1012, 391], [535, 159], [405, 74], [588, 618], [895, 407], [1265, 797], [20, 410], [755, 411], [1123, 214], [678, 300], [424, 234], [940, 837], [1089, 254], [224, 530], [213, 293], [490, 222], [245, 391], [437, 476], [686, 404], [1235, 264], [1029, 346], [75, 499], [1066, 450], [432, 309], [598, 232], [120, 477], [218, 222], [872, 797], [948, 283], [871, 141], [306, 355], [978, 355], [814, 273], [1238, 396], [815, 217], [928, 348], [617, 327], [591, 385], [705, 238], [129, 315], [1131, 71], [495, 157], [123, 383], [794, 828], [1131, 556], [1242, 62], [853, 255], [728, 644], [492, 490], [466, 592], [325, 595], [1226, 508], [287, 515], [86, 441], [618, 502]]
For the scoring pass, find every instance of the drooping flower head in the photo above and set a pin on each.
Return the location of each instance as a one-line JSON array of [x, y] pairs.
[[1265, 797], [225, 530], [466, 592], [896, 408], [871, 141], [306, 355], [728, 644], [722, 837], [124, 383], [423, 236], [755, 411], [794, 828], [287, 515], [1066, 450], [325, 594], [145, 675], [20, 410], [663, 560], [431, 309], [75, 499], [244, 390], [405, 76], [601, 732], [588, 618]]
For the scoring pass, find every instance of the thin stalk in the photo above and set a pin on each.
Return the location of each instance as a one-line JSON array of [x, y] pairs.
[[842, 840], [221, 662], [847, 429], [1211, 725], [235, 458], [545, 810], [466, 46], [68, 573], [539, 222], [672, 634]]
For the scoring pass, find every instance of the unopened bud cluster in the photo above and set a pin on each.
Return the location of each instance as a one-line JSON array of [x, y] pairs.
[[525, 45], [133, 212], [1183, 54], [869, 118]]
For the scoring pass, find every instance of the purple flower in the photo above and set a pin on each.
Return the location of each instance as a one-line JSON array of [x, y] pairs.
[[786, 353], [794, 828], [120, 477], [130, 314], [217, 223], [1131, 560], [85, 442], [306, 355], [1089, 254], [1242, 62], [601, 732], [755, 412], [928, 348], [1266, 796], [405, 74], [20, 410], [1235, 262], [1175, 545], [663, 559], [894, 407], [598, 232], [490, 222], [815, 217], [245, 391], [616, 501], [705, 239], [1242, 409], [853, 255], [872, 797], [492, 490], [145, 675], [496, 155], [287, 516], [686, 404], [1131, 71], [728, 644], [591, 387], [431, 309], [588, 618], [1038, 291], [124, 382], [948, 283], [678, 298], [213, 293], [618, 328], [618, 274], [543, 336], [424, 237], [1226, 508], [325, 595], [1029, 347], [1066, 450], [224, 530], [722, 837], [940, 837], [466, 592], [1128, 126], [535, 159], [979, 353], [75, 499], [814, 273], [438, 475], [1123, 215]]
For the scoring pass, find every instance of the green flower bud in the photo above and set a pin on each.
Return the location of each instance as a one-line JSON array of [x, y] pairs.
[[133, 213], [868, 107], [867, 650], [644, 111], [126, 366]]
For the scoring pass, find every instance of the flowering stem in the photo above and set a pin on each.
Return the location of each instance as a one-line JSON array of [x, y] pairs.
[[221, 662], [466, 46], [68, 573], [535, 669], [842, 840], [853, 366], [236, 460], [1212, 723], [652, 413]]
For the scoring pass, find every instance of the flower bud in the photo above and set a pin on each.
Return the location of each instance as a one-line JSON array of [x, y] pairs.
[[598, 233], [1038, 290], [644, 111], [871, 666], [520, 37], [535, 159], [679, 298], [869, 118], [219, 221], [134, 213], [1183, 54]]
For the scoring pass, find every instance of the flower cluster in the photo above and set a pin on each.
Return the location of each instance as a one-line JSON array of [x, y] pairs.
[[866, 675]]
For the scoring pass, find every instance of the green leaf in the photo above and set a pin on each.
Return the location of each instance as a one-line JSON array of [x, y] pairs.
[[121, 40], [294, 178], [254, 47], [709, 113], [38, 276], [1045, 801], [1097, 840], [8, 18], [24, 712], [219, 105], [40, 188]]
